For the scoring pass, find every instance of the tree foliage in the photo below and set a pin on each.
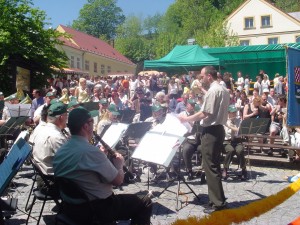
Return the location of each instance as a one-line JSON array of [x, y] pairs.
[[25, 42], [99, 18]]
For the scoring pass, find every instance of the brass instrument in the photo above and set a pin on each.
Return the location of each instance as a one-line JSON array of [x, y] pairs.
[[26, 100], [64, 99]]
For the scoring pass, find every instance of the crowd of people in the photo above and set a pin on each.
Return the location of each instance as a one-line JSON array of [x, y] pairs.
[[213, 104]]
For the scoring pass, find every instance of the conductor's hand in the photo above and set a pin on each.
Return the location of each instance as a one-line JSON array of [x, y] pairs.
[[118, 161]]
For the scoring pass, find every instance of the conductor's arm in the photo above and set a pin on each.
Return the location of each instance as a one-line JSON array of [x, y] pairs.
[[196, 117]]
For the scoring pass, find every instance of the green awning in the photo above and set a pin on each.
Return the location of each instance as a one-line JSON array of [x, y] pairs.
[[250, 59], [183, 58]]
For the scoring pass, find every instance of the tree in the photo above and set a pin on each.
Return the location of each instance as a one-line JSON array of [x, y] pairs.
[[130, 40], [288, 5], [99, 18], [24, 42]]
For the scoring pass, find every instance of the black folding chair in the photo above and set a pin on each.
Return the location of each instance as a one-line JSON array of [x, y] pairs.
[[82, 213], [45, 195]]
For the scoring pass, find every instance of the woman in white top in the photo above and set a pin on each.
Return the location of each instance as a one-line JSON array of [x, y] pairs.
[[82, 92], [173, 89], [247, 84], [265, 83]]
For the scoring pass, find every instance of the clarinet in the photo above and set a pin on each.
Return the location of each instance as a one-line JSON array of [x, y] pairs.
[[112, 153]]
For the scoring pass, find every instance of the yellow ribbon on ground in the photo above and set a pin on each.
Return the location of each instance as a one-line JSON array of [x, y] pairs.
[[243, 213]]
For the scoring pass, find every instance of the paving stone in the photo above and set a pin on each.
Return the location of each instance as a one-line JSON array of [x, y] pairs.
[[263, 182]]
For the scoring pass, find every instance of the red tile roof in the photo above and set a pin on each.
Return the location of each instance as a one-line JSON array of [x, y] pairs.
[[91, 44]]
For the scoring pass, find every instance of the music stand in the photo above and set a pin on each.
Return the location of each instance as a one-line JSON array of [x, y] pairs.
[[160, 148], [126, 116], [105, 127], [19, 152], [253, 126], [114, 133], [11, 126], [135, 131], [17, 110], [90, 106]]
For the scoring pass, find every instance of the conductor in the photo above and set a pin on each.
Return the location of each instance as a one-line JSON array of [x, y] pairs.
[[212, 116]]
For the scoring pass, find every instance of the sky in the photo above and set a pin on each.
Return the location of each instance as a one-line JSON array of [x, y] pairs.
[[65, 11]]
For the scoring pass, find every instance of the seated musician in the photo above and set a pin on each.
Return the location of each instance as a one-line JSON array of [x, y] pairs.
[[158, 117], [95, 174], [37, 113], [103, 112], [189, 147], [233, 145], [111, 118], [12, 99], [49, 138]]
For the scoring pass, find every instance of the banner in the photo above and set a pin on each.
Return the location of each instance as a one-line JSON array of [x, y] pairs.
[[293, 115]]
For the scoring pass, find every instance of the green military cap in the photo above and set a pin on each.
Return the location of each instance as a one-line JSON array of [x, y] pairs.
[[55, 100], [197, 108], [232, 108], [103, 101], [57, 108], [94, 113], [50, 94], [78, 117], [112, 108], [192, 101], [156, 108], [73, 103]]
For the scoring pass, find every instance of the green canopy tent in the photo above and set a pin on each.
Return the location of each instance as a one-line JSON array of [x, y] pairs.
[[250, 59], [183, 58]]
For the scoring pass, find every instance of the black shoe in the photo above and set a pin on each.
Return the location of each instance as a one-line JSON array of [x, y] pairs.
[[190, 176], [212, 209], [170, 176], [202, 179], [244, 175], [270, 152], [55, 209]]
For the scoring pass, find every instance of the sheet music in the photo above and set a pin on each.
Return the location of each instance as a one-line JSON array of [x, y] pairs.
[[17, 110], [114, 133], [157, 148], [171, 125]]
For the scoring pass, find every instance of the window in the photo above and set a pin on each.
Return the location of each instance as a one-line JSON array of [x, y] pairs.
[[87, 65], [244, 42], [108, 69], [298, 39], [249, 23], [102, 69], [265, 21], [72, 62], [95, 67], [273, 40], [78, 63]]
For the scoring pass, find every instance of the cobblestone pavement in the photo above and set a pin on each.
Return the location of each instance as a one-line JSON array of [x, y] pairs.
[[263, 182]]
